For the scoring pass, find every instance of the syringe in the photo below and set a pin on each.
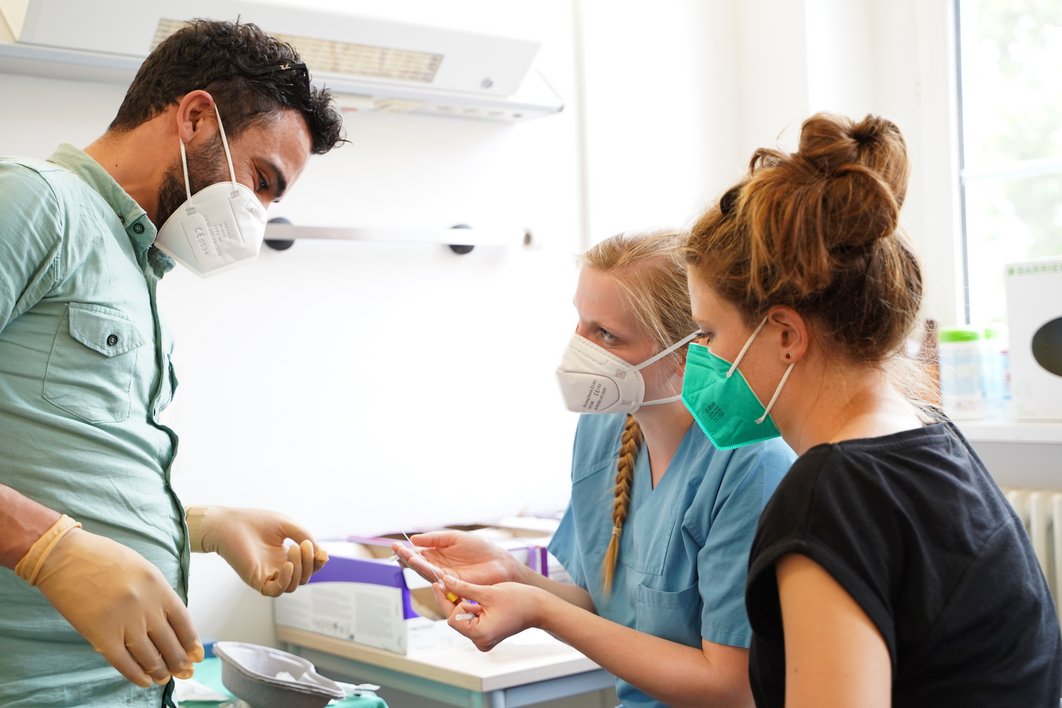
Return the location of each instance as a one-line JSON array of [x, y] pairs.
[[449, 595]]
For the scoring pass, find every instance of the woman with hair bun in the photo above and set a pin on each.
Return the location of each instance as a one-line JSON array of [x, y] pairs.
[[657, 534], [888, 568]]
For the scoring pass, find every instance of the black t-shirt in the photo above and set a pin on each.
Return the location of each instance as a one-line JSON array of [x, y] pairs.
[[916, 531]]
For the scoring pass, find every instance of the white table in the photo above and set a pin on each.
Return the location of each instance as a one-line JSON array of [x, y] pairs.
[[528, 668]]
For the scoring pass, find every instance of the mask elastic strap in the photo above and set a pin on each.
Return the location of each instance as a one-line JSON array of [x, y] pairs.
[[657, 357], [184, 164], [777, 391], [741, 354], [659, 401], [647, 362], [225, 144]]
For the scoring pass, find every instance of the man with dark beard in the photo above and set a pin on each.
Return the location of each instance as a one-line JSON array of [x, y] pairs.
[[219, 121]]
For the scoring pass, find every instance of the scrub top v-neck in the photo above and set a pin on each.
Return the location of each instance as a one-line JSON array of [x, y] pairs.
[[684, 550]]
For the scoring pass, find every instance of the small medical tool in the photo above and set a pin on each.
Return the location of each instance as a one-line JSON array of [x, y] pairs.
[[449, 595]]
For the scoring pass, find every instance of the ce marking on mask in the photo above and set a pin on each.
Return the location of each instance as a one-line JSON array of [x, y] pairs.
[[201, 239], [593, 396], [714, 412]]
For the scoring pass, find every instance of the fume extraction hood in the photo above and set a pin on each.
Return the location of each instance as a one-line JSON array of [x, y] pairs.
[[369, 63]]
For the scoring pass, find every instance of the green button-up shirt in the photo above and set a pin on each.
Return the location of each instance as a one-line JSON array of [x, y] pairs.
[[84, 374]]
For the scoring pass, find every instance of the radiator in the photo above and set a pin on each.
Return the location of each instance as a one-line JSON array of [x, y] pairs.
[[1041, 512]]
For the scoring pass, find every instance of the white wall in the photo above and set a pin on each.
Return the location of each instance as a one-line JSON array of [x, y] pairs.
[[370, 387], [659, 85], [364, 387], [679, 94]]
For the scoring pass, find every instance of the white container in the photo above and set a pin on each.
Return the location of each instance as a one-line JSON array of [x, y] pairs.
[[363, 596], [996, 377], [1034, 325], [962, 373]]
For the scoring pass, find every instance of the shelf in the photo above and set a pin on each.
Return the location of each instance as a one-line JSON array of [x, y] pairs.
[[455, 237]]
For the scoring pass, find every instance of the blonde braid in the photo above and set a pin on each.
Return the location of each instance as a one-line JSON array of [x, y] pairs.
[[631, 441], [650, 270]]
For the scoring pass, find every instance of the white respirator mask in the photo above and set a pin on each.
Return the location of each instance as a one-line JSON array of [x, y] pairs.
[[219, 227], [594, 380]]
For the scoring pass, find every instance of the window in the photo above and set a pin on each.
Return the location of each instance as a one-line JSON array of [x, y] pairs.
[[1010, 79]]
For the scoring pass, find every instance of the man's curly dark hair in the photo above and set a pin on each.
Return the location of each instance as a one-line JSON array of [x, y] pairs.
[[250, 74]]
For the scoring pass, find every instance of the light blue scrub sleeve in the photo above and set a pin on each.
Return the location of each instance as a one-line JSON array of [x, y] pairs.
[[565, 547], [565, 542], [723, 560]]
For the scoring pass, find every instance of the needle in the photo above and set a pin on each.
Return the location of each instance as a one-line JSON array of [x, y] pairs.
[[449, 595]]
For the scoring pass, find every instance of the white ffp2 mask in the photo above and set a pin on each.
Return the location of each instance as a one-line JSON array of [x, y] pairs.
[[594, 380], [219, 227]]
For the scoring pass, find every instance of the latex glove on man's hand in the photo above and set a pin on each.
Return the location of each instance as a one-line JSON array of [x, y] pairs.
[[118, 601], [252, 541]]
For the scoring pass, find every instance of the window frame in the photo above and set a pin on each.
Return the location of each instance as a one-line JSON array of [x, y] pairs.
[[1019, 169]]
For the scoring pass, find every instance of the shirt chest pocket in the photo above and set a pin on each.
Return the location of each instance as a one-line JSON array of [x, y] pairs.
[[92, 363], [672, 615], [647, 536]]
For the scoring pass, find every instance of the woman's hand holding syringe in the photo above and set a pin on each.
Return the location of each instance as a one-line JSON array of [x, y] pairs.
[[460, 554], [487, 593]]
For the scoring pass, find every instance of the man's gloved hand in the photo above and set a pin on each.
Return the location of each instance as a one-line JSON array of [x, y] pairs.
[[118, 601], [252, 541]]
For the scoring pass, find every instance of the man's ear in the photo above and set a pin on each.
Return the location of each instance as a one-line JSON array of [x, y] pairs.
[[194, 113], [791, 335]]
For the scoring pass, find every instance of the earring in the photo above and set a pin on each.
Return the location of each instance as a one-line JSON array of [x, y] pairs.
[[788, 355]]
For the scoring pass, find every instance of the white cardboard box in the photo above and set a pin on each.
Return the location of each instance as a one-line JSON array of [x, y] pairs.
[[365, 600], [362, 596], [1034, 324]]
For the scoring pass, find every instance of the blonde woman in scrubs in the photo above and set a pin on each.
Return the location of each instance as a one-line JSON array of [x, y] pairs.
[[657, 533]]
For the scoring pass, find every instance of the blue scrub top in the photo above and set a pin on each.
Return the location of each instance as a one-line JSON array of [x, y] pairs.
[[684, 551]]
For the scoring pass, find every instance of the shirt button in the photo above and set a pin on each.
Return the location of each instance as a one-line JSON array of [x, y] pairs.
[[112, 339], [138, 228]]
